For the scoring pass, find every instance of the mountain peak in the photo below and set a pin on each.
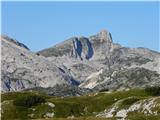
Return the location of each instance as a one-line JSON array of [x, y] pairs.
[[82, 47], [103, 36], [104, 32]]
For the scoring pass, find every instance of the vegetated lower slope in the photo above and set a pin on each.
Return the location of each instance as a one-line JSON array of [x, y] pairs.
[[134, 104]]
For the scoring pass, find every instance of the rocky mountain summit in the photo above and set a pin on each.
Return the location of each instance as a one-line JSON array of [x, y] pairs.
[[94, 62], [98, 63]]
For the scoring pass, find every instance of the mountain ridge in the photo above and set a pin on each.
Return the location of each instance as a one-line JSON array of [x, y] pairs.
[[22, 69], [87, 62], [107, 56]]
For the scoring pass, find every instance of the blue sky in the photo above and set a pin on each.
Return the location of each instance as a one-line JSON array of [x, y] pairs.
[[43, 24]]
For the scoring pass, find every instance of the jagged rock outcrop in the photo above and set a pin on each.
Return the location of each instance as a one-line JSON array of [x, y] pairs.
[[22, 68], [147, 107], [81, 47]]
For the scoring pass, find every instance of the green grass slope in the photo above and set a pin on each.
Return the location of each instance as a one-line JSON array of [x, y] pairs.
[[75, 108]]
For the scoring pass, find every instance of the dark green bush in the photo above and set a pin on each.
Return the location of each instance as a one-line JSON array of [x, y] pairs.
[[104, 90], [130, 101], [28, 100], [154, 91]]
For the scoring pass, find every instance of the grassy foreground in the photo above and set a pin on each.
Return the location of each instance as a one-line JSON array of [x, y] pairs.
[[72, 108]]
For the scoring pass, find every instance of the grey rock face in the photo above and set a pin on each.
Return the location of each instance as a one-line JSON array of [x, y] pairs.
[[81, 47], [15, 42], [127, 78], [23, 69], [94, 61]]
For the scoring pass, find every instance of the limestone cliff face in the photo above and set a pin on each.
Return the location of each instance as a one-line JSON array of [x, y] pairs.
[[22, 68], [82, 48]]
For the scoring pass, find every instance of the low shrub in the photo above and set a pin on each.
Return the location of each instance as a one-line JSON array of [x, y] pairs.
[[154, 91], [130, 101], [104, 90], [28, 100]]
